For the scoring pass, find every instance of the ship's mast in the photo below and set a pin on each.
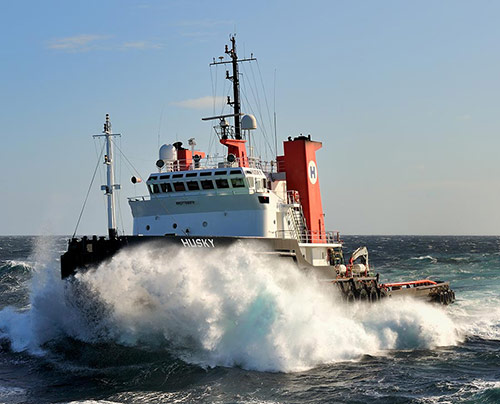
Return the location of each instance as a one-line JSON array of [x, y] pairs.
[[236, 88], [236, 83], [110, 177]]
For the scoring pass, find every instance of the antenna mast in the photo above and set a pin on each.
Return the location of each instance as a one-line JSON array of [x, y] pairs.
[[236, 83], [110, 183]]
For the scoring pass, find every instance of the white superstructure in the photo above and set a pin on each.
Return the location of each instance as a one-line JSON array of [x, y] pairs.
[[238, 195], [227, 201]]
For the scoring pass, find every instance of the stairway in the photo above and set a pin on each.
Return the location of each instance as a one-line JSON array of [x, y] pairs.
[[298, 221]]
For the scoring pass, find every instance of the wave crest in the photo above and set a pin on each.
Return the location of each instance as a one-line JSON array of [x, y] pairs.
[[236, 308], [220, 308]]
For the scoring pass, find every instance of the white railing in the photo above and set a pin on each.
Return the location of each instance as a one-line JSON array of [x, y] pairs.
[[292, 197], [213, 162], [309, 236], [139, 198]]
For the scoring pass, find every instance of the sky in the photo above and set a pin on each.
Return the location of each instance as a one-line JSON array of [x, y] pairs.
[[404, 96]]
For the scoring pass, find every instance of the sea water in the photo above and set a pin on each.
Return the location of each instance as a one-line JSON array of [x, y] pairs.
[[192, 325]]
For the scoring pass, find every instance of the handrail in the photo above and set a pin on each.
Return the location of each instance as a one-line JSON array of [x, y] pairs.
[[293, 197], [215, 162], [139, 198], [311, 236]]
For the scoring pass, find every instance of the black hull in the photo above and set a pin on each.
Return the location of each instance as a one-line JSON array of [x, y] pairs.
[[86, 253]]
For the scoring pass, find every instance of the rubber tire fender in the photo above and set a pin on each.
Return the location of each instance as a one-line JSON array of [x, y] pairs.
[[373, 295], [363, 295], [350, 297]]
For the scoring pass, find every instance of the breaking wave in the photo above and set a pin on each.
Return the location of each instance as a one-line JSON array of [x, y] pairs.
[[425, 258], [9, 264], [219, 308], [241, 309]]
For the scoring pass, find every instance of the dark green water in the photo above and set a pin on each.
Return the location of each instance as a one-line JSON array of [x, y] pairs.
[[228, 327]]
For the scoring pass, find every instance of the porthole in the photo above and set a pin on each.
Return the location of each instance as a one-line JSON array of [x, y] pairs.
[[205, 224], [174, 225], [148, 227]]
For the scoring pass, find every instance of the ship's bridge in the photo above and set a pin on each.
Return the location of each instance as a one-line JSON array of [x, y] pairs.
[[207, 181], [227, 201]]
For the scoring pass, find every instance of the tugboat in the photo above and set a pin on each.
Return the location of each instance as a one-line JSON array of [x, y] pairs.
[[198, 201]]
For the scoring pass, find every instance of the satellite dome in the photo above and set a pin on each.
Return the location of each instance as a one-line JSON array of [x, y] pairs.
[[168, 153], [248, 122]]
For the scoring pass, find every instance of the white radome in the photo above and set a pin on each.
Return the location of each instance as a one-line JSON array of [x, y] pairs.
[[248, 122], [168, 153]]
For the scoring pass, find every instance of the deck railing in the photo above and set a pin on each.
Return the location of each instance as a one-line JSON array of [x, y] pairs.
[[293, 197], [212, 162], [311, 236]]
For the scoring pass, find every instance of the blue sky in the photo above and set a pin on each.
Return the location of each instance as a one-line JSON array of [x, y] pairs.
[[404, 96]]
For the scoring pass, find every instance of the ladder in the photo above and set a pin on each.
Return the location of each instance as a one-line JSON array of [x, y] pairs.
[[298, 222]]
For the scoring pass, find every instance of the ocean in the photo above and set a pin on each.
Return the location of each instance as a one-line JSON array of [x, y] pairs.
[[230, 326]]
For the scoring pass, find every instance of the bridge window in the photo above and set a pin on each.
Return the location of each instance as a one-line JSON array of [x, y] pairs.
[[177, 175], [232, 172], [263, 199], [191, 174], [220, 172], [179, 186], [207, 184], [165, 187], [205, 174], [164, 177], [222, 183], [260, 184], [193, 185], [156, 189], [238, 182]]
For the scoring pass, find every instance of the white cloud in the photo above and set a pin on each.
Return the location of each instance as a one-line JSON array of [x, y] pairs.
[[200, 103], [77, 43], [141, 45], [87, 42]]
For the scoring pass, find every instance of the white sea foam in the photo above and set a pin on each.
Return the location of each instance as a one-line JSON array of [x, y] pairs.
[[221, 307], [468, 392], [425, 257], [478, 316], [16, 263], [234, 308], [8, 392], [93, 402], [29, 328]]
